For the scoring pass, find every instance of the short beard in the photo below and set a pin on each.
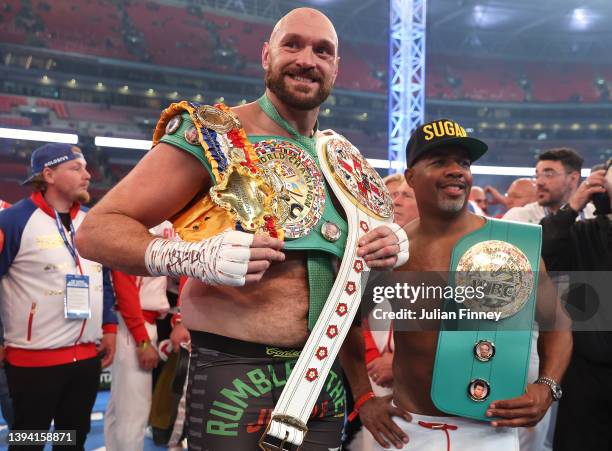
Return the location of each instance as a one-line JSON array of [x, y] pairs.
[[275, 82], [551, 202], [451, 205]]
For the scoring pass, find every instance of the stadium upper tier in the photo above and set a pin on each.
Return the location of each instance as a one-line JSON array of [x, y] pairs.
[[163, 35], [187, 37]]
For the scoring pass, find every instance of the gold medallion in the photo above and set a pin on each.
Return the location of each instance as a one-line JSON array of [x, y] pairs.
[[357, 177], [499, 270], [216, 119], [299, 193], [245, 195]]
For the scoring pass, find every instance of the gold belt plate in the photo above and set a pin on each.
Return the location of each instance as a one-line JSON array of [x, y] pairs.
[[297, 182], [245, 195], [504, 273]]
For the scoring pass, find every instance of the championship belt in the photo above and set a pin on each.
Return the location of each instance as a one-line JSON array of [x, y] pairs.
[[271, 186], [479, 360], [367, 204]]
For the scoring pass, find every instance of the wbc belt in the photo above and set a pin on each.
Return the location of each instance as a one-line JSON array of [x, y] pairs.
[[367, 204], [482, 360]]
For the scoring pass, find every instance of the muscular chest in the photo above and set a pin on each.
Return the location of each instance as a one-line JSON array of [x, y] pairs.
[[429, 255]]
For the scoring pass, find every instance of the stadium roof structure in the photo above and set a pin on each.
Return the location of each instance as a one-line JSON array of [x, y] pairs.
[[544, 29], [549, 29]]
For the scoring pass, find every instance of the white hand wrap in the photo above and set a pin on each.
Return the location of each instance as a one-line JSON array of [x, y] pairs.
[[219, 260], [402, 239]]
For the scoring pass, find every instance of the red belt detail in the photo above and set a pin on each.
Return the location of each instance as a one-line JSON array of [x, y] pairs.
[[441, 426]]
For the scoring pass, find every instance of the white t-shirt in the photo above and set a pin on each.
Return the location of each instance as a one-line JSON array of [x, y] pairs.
[[533, 213]]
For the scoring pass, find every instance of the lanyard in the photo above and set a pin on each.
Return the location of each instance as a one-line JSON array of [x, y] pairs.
[[268, 108], [69, 244]]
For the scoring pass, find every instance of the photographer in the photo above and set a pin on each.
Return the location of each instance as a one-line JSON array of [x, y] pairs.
[[584, 415]]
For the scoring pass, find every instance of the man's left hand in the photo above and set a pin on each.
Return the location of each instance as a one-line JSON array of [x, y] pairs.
[[384, 247], [526, 410], [179, 335], [107, 349]]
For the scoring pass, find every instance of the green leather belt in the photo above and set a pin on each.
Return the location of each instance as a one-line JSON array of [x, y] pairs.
[[479, 361], [317, 243]]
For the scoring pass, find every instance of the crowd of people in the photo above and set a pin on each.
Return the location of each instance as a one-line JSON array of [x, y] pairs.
[[236, 205]]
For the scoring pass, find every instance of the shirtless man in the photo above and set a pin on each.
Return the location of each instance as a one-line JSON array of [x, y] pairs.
[[439, 173], [245, 339]]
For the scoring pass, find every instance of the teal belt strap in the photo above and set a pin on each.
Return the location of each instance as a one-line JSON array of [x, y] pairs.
[[456, 364]]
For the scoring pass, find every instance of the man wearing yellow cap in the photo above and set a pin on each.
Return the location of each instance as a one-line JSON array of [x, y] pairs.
[[447, 393]]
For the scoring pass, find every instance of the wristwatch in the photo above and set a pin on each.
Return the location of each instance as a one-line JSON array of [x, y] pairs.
[[555, 388]]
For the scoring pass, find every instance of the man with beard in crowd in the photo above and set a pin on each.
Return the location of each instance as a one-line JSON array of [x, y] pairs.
[[557, 177], [51, 333], [571, 245], [245, 340]]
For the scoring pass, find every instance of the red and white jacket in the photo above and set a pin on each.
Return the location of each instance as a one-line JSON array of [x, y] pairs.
[[34, 262]]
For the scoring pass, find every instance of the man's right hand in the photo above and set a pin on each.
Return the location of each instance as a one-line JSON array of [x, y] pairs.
[[376, 415], [595, 183], [230, 258], [147, 357], [264, 251]]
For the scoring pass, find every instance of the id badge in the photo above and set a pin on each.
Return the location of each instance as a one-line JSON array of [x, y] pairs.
[[76, 299]]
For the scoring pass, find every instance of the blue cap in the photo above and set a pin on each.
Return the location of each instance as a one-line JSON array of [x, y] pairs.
[[50, 155]]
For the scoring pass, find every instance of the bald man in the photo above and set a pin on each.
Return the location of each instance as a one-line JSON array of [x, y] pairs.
[[520, 193], [245, 340]]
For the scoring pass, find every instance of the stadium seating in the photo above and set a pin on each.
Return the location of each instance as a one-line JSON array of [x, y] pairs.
[[181, 36]]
